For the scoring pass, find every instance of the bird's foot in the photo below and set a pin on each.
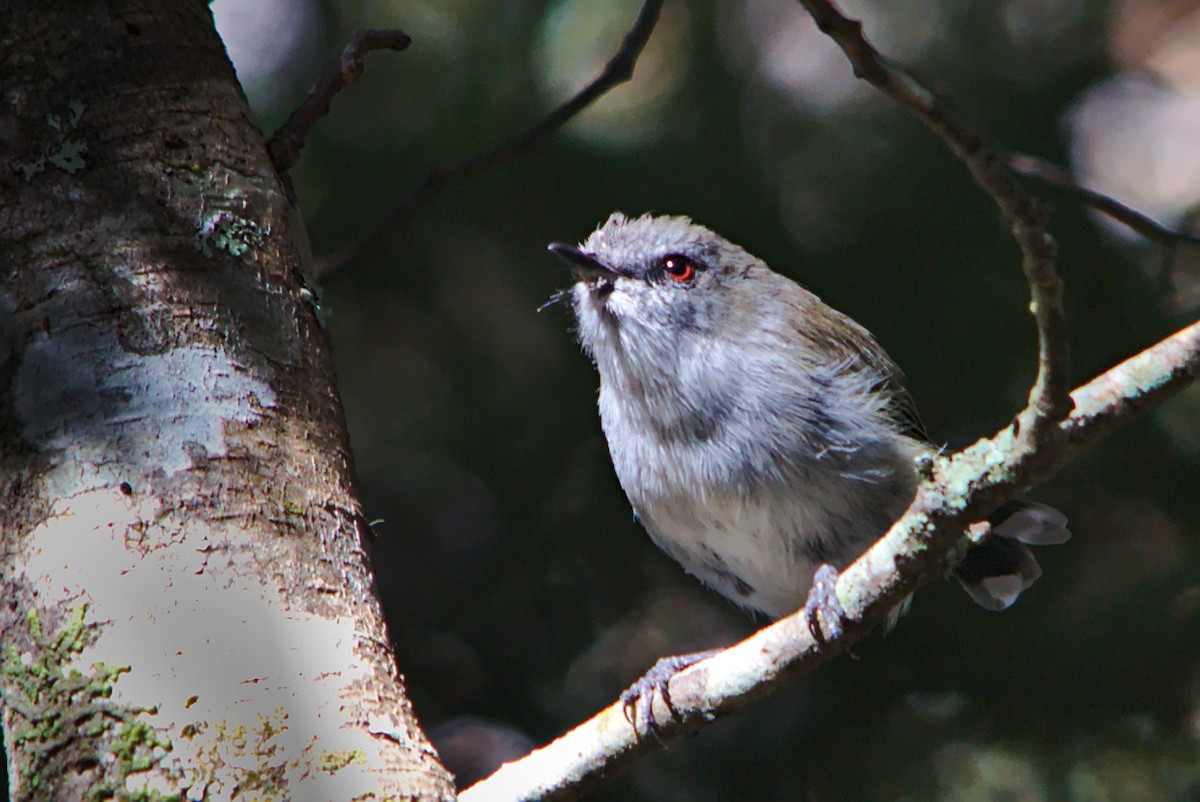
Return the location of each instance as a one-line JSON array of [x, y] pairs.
[[638, 698], [822, 610]]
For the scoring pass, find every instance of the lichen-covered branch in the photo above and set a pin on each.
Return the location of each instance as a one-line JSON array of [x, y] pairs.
[[1137, 384], [964, 487], [959, 489]]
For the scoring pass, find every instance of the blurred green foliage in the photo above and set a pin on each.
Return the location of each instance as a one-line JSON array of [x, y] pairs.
[[518, 587]]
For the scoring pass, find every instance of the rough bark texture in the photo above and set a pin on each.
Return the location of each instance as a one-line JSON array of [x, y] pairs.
[[188, 608]]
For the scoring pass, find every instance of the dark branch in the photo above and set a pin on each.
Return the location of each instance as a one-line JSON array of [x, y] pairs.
[[1051, 175], [618, 70], [285, 144], [1049, 400]]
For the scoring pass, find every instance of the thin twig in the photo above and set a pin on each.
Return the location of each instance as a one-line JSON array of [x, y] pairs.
[[1049, 400], [909, 555], [285, 144], [618, 70], [1051, 175]]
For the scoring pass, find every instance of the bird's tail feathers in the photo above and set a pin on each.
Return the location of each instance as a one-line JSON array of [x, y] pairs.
[[996, 572]]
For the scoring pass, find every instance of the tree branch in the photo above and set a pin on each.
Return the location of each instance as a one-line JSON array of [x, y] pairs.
[[285, 144], [959, 489], [1051, 175], [1049, 400], [964, 488], [618, 70]]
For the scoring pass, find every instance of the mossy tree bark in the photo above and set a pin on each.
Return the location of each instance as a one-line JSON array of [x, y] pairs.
[[188, 608]]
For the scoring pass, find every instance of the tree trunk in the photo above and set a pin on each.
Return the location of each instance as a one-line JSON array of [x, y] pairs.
[[188, 608]]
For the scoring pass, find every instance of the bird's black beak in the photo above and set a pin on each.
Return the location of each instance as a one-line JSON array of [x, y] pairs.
[[584, 265]]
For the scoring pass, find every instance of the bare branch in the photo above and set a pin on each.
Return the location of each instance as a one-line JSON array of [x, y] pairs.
[[1051, 175], [618, 70], [1049, 400], [285, 144], [912, 553]]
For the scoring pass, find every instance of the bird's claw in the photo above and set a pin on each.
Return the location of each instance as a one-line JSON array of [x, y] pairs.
[[637, 700], [822, 610]]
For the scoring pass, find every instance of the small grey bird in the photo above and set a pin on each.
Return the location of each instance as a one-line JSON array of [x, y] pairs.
[[758, 433]]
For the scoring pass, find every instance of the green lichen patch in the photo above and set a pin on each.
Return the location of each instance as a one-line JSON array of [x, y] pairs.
[[333, 762], [223, 230], [229, 209], [64, 719], [258, 762], [59, 147], [244, 762]]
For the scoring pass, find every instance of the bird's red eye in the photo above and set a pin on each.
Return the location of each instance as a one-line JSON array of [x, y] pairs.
[[679, 268]]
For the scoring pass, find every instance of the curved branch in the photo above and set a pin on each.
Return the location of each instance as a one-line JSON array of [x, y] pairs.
[[912, 553], [285, 144], [1051, 175], [618, 70], [1049, 399]]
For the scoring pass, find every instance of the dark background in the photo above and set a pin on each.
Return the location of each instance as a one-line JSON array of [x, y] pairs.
[[523, 597]]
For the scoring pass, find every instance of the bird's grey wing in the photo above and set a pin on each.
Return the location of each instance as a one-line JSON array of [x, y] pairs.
[[903, 410], [860, 351]]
